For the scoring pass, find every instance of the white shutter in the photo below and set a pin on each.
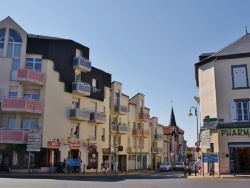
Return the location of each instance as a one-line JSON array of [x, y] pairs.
[[243, 77], [233, 112]]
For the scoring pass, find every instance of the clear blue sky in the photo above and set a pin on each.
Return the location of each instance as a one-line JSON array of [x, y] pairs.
[[150, 46]]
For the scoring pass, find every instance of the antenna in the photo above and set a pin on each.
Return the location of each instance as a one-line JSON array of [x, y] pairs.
[[246, 29]]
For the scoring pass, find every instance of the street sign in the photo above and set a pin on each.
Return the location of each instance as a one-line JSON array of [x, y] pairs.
[[34, 139], [210, 157], [210, 123], [33, 149], [34, 135]]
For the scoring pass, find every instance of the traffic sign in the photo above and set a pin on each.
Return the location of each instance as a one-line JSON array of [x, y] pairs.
[[33, 149], [210, 157]]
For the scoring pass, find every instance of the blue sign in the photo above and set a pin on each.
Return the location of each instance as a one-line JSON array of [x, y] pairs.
[[210, 157], [73, 162]]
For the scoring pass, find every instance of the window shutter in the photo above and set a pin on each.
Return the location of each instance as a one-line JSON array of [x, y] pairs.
[[233, 112]]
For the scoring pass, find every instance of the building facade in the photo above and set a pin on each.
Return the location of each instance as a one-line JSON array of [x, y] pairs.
[[56, 106], [223, 82]]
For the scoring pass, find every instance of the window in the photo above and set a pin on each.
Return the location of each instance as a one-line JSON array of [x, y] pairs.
[[75, 130], [30, 124], [32, 94], [12, 122], [13, 92], [14, 44], [242, 111], [240, 77], [117, 99], [78, 77], [239, 110], [2, 37], [34, 63]]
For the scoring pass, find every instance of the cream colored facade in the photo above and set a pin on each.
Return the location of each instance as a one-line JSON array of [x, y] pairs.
[[223, 81], [72, 124], [157, 143]]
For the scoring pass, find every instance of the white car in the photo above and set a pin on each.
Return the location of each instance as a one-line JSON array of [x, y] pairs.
[[166, 166], [179, 166]]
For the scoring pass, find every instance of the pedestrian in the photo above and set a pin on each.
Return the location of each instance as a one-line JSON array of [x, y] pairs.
[[199, 165], [105, 168]]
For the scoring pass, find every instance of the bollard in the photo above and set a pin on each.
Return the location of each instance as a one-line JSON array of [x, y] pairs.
[[184, 169], [195, 171], [83, 169]]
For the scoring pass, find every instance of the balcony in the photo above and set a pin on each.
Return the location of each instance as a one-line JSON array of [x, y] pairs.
[[144, 117], [30, 77], [21, 105], [13, 136], [137, 132], [122, 128], [97, 117], [146, 133], [82, 64], [156, 150], [79, 114], [81, 88], [159, 150], [120, 110], [153, 149], [158, 136], [113, 127]]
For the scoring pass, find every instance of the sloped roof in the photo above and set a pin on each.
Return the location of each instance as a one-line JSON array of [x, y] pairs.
[[237, 49], [172, 119]]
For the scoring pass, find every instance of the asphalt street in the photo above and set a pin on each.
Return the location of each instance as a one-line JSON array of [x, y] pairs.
[[152, 180]]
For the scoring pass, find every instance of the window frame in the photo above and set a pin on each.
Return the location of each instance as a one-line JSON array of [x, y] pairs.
[[233, 67]]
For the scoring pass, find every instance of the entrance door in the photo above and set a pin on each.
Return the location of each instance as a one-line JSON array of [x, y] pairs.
[[240, 159], [144, 162]]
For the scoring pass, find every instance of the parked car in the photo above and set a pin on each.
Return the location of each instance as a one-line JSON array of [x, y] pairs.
[[179, 166], [166, 166]]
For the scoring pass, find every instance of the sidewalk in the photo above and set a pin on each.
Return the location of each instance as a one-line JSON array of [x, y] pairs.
[[219, 176], [110, 173]]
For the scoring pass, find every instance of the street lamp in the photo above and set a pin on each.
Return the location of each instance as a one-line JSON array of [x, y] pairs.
[[190, 114]]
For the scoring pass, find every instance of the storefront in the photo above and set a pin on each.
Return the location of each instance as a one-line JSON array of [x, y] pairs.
[[234, 147]]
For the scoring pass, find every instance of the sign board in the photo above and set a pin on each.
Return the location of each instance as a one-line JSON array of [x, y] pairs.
[[34, 141], [53, 144], [210, 123], [33, 149], [73, 162], [210, 157]]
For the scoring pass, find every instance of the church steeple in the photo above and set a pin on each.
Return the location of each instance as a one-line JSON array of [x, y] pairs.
[[172, 119]]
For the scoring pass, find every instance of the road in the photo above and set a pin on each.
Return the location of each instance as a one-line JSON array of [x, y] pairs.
[[154, 180]]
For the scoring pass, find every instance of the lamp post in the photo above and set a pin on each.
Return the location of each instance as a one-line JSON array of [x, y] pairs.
[[190, 114]]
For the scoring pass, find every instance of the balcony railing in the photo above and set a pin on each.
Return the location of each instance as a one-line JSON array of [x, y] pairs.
[[146, 133], [158, 136], [156, 150], [81, 88], [82, 64], [113, 127], [97, 117], [137, 132], [121, 110], [13, 136], [79, 114], [122, 128], [21, 105], [144, 117], [30, 77]]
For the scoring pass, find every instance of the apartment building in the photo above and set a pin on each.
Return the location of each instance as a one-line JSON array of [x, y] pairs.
[[223, 82], [156, 143], [54, 103], [140, 134]]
